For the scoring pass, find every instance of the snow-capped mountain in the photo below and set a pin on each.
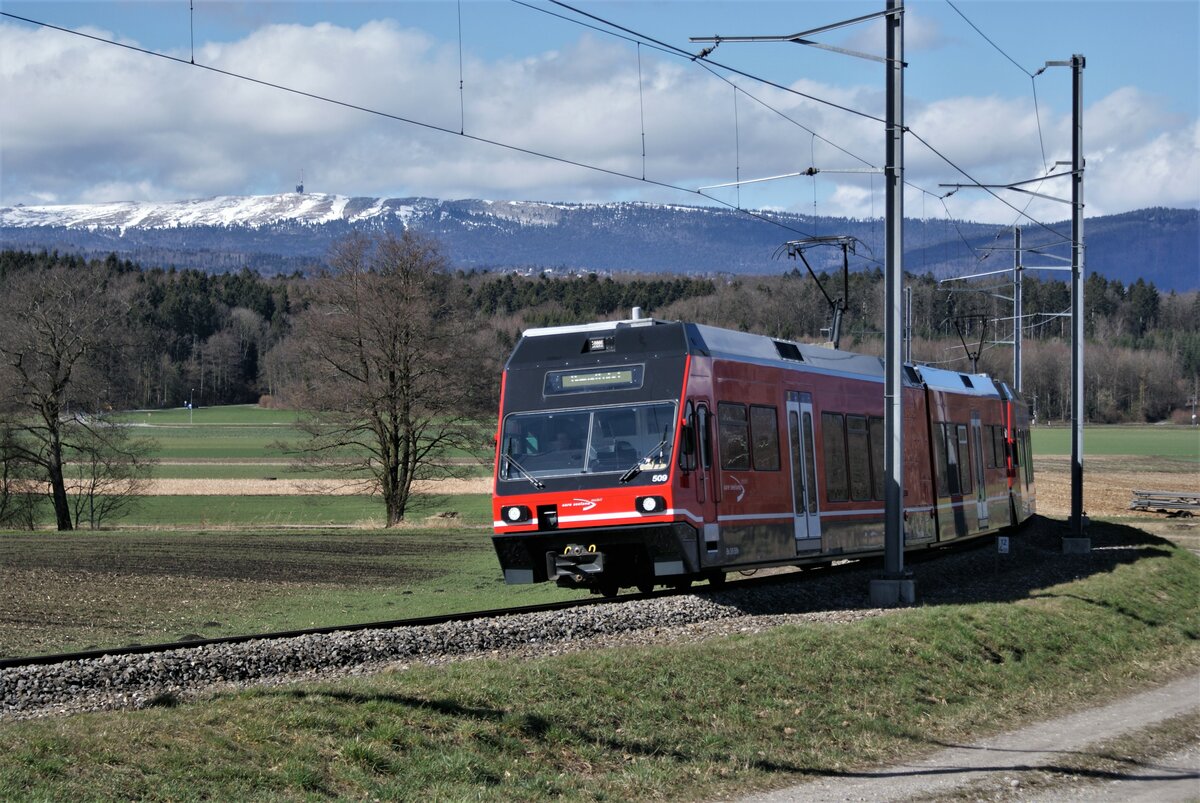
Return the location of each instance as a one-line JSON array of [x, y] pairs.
[[254, 211], [294, 231]]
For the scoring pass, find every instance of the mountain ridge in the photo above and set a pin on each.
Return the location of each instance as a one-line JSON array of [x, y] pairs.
[[294, 231]]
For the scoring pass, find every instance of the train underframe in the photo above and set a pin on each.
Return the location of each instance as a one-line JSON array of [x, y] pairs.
[[605, 560]]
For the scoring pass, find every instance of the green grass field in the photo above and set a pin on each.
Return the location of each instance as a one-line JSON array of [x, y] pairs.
[[1142, 440], [244, 433], [318, 510], [242, 442], [227, 415], [266, 511]]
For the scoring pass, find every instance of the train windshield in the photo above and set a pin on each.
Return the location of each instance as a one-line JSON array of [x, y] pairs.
[[588, 440]]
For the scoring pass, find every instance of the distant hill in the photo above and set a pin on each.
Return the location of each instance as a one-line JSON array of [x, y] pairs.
[[289, 232]]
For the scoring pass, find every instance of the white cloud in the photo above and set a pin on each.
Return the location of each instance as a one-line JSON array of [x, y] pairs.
[[1162, 171], [89, 122]]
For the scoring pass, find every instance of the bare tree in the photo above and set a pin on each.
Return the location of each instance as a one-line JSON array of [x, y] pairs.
[[18, 491], [389, 368], [60, 332], [107, 472]]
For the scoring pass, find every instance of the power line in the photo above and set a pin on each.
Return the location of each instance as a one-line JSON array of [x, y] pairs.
[[704, 59], [690, 56], [671, 50], [999, 49], [410, 121], [952, 164], [1033, 86]]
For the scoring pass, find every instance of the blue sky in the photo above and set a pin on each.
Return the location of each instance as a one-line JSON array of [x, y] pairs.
[[85, 122]]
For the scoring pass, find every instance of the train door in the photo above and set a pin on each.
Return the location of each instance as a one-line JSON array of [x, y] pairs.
[[804, 472], [981, 500], [705, 490]]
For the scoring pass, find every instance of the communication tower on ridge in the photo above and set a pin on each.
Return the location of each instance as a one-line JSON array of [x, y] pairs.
[[300, 183]]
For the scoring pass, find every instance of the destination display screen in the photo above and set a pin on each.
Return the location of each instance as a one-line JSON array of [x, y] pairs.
[[627, 377]]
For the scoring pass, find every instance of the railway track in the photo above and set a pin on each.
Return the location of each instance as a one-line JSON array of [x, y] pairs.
[[421, 621], [737, 580], [390, 624]]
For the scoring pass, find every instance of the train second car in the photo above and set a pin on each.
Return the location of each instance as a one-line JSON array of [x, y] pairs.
[[645, 452]]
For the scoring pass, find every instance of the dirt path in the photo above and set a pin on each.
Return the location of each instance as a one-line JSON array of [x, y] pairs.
[[998, 768]]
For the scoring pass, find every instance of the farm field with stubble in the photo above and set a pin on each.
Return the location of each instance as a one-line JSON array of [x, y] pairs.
[[1117, 460]]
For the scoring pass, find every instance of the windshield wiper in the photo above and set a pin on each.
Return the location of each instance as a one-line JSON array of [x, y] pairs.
[[512, 462], [636, 468]]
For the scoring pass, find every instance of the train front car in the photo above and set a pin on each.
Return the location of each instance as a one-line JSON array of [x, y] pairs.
[[587, 441]]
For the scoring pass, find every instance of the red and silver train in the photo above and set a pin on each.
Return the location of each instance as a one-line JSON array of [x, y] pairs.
[[645, 452]]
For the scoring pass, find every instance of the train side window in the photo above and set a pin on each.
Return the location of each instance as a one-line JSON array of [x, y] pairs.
[[964, 460], [764, 433], [989, 447], [734, 433], [998, 446], [704, 436], [953, 483], [939, 453], [833, 434], [857, 450], [797, 461], [876, 425], [687, 441], [1028, 456], [810, 462]]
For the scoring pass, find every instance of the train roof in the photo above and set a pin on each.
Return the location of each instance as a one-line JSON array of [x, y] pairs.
[[968, 384], [730, 344], [721, 343]]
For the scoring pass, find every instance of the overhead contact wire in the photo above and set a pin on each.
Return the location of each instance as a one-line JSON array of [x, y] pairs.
[[408, 120]]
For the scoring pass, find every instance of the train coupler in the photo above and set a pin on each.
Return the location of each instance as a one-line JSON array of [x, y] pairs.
[[576, 566]]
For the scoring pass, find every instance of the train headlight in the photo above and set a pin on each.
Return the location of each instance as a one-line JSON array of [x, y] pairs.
[[515, 514], [651, 504]]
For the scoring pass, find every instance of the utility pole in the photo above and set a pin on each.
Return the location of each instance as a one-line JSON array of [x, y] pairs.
[[1018, 309], [1077, 542], [895, 585]]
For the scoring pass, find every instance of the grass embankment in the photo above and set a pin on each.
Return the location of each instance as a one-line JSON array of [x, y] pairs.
[[717, 718]]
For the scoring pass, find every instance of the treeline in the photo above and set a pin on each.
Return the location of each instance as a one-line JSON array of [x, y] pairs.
[[225, 338]]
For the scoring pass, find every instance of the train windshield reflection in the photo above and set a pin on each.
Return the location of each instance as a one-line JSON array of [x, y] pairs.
[[588, 440]]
